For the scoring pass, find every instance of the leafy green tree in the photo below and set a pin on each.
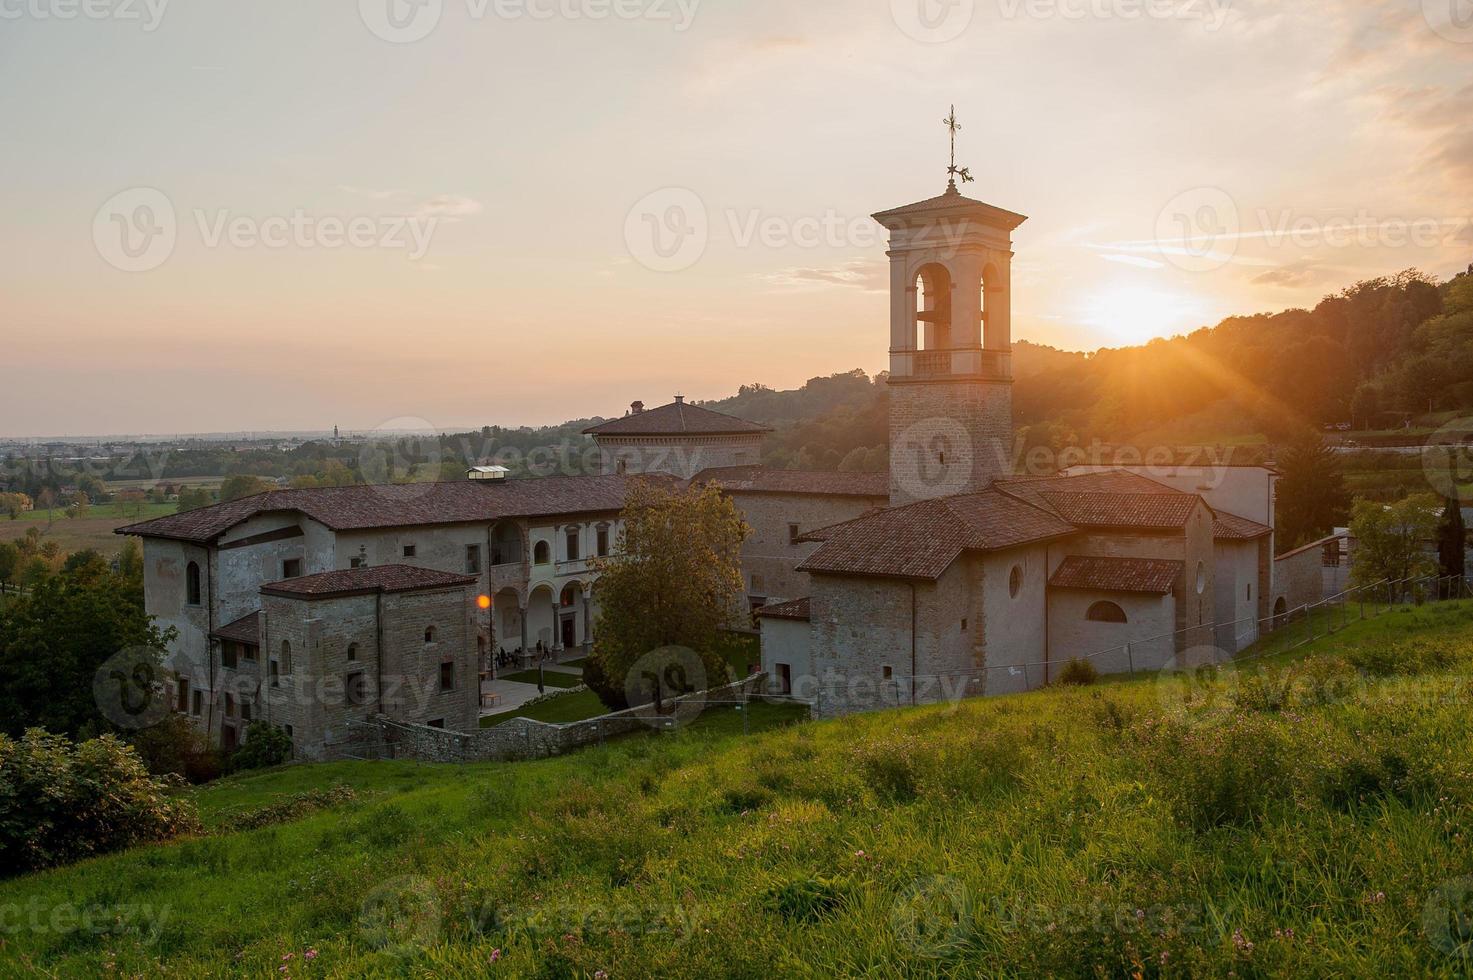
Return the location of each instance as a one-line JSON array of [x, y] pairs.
[[1312, 495], [238, 487], [53, 640], [80, 506], [675, 580], [1452, 540], [9, 563], [193, 498], [1392, 540]]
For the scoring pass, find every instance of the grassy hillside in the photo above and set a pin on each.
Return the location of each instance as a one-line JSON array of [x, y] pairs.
[[1307, 818]]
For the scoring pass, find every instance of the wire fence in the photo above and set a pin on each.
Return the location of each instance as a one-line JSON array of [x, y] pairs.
[[1205, 644]]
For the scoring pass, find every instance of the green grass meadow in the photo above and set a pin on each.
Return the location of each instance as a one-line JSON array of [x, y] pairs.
[[1307, 816]]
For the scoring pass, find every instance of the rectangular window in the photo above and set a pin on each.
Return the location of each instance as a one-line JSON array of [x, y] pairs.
[[793, 534], [756, 582], [447, 677], [275, 674], [290, 733], [573, 544], [245, 711], [889, 672], [227, 654], [603, 542], [183, 691], [473, 559], [410, 551], [197, 705], [355, 562], [291, 568], [247, 652]]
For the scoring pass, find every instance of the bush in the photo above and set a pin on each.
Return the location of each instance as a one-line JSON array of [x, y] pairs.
[[265, 746], [1406, 659], [1080, 673], [176, 747], [62, 802], [1225, 772]]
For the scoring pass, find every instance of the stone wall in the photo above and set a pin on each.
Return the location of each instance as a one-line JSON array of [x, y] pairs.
[[521, 739], [335, 650], [1299, 578], [676, 455], [970, 423], [769, 558]]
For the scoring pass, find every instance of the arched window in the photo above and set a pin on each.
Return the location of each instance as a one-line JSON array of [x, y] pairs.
[[429, 634], [191, 584], [1105, 612], [542, 554], [933, 309]]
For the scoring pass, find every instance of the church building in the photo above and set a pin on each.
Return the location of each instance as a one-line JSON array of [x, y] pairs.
[[973, 580]]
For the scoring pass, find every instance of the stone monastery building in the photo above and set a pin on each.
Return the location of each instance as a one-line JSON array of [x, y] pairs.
[[949, 575]]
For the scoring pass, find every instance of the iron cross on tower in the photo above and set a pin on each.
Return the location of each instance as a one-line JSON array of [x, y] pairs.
[[965, 173]]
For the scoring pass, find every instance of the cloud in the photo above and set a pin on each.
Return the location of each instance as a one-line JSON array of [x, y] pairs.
[[1291, 276], [1135, 260], [448, 206], [869, 275]]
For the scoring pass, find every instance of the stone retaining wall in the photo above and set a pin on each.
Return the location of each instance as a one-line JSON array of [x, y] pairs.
[[522, 738]]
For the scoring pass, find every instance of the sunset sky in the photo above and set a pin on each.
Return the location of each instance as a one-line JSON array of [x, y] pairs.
[[1322, 142]]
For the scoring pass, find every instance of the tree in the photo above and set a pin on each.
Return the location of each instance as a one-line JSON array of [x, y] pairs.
[[1391, 539], [1452, 540], [47, 502], [675, 580], [1312, 496], [238, 487], [193, 498], [12, 505], [53, 640], [9, 563], [80, 506]]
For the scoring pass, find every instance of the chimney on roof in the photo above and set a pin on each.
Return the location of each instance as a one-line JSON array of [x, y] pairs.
[[680, 399], [636, 408]]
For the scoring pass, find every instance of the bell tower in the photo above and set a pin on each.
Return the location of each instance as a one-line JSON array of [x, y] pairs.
[[951, 427]]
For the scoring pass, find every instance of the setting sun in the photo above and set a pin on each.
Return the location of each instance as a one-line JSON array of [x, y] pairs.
[[1136, 314]]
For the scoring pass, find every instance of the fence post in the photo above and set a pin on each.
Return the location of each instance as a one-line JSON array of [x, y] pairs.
[[1130, 659]]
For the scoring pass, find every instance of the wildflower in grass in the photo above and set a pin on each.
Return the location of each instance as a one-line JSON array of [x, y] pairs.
[[495, 956], [311, 954]]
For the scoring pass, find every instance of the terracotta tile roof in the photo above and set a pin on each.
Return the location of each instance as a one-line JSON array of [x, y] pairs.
[[677, 418], [366, 507], [1231, 527], [797, 609], [1103, 481], [1148, 575], [247, 629], [922, 540], [1148, 511], [760, 479], [359, 581]]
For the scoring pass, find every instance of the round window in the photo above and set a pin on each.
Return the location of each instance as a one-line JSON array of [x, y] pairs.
[[1201, 577], [1015, 581]]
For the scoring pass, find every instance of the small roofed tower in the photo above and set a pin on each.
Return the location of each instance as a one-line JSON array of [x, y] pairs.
[[677, 439], [951, 426]]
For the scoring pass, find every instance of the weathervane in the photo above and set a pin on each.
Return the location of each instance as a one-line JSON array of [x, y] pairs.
[[965, 173]]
